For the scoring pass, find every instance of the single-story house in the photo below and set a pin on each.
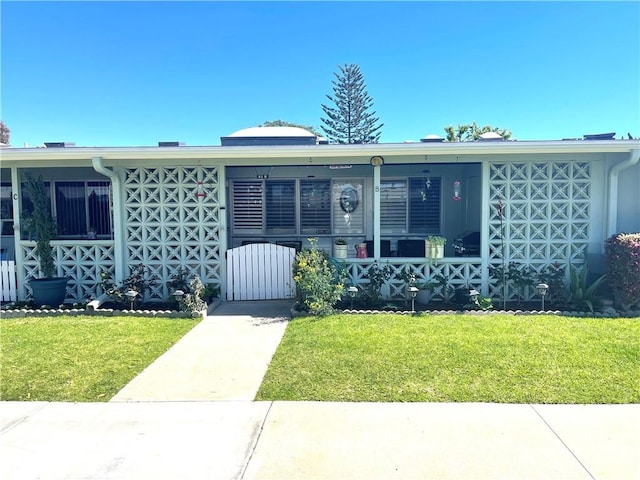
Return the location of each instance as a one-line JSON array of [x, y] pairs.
[[173, 206]]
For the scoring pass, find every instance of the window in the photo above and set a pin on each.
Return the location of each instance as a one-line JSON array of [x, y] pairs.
[[6, 209], [268, 207], [315, 206], [81, 207], [281, 206], [408, 207], [393, 206], [348, 207], [424, 206], [247, 206], [78, 208]]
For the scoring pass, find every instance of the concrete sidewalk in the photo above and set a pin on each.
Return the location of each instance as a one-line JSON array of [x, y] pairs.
[[317, 440], [190, 415], [224, 357]]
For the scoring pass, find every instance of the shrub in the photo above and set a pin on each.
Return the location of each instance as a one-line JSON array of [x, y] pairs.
[[554, 276], [318, 283], [377, 276], [520, 277], [192, 302], [580, 294], [136, 281], [622, 257]]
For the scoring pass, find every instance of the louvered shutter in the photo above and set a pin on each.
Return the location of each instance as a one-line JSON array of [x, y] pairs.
[[424, 206], [315, 207], [247, 206], [281, 206], [393, 206]]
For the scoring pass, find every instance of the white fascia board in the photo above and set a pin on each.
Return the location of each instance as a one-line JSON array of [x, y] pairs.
[[75, 156]]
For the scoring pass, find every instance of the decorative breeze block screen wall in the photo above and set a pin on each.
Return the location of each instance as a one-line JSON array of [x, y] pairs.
[[172, 222], [545, 209]]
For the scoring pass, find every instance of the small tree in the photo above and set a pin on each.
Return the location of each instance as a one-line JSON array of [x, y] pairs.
[[5, 133], [43, 224], [350, 120], [471, 132]]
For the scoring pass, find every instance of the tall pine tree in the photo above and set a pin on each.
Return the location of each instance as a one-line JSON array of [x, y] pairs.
[[350, 121]]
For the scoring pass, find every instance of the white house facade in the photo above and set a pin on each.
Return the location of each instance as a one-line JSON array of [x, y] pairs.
[[175, 206]]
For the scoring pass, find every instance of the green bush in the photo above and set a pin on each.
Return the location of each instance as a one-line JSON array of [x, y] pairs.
[[622, 257], [581, 294], [318, 283]]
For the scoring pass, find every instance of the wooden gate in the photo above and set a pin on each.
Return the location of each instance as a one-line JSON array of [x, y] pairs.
[[260, 271], [8, 287]]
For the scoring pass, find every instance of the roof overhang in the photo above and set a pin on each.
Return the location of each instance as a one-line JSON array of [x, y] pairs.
[[351, 153]]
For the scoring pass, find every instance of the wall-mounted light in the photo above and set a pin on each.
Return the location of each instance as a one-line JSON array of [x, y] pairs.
[[377, 161]]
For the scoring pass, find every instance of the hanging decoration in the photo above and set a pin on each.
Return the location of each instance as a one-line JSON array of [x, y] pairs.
[[200, 193], [348, 202], [456, 191], [426, 184]]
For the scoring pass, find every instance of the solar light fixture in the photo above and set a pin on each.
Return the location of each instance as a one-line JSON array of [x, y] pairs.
[[178, 295], [352, 291], [413, 291], [473, 295], [542, 290], [131, 296]]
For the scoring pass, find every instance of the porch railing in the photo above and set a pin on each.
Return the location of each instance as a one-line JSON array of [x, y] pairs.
[[458, 272]]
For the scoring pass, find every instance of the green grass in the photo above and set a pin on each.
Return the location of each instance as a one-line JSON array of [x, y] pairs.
[[80, 359], [457, 358]]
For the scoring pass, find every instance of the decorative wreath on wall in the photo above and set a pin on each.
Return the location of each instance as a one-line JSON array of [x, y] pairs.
[[348, 199]]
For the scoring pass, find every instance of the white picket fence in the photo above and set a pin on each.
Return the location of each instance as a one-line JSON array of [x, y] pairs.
[[260, 271], [8, 283]]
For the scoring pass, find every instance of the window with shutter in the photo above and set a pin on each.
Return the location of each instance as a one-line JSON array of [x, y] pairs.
[[247, 206], [393, 206], [315, 207], [281, 206], [424, 206]]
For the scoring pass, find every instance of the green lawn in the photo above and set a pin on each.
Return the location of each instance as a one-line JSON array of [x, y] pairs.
[[80, 359], [457, 358]]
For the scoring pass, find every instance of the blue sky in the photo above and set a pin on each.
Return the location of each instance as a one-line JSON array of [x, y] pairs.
[[135, 73]]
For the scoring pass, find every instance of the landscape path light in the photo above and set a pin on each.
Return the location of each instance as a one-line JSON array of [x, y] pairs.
[[413, 291], [542, 290], [131, 296], [178, 295], [352, 291], [473, 295]]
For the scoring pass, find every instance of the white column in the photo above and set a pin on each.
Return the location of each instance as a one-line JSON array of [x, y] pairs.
[[376, 211], [16, 200]]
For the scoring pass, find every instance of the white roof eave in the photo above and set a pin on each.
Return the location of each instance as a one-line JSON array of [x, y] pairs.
[[227, 155]]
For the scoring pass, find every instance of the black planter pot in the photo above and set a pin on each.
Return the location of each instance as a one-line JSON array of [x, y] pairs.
[[462, 296], [48, 291]]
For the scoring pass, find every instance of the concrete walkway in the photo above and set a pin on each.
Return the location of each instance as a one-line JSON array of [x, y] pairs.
[[224, 357], [190, 415]]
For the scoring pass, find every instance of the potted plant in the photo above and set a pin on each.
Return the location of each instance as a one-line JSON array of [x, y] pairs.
[[434, 246], [48, 289], [340, 248], [425, 290]]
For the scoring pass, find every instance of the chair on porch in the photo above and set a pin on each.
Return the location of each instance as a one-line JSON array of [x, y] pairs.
[[385, 248], [291, 244], [411, 248], [249, 242]]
